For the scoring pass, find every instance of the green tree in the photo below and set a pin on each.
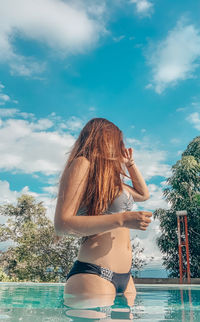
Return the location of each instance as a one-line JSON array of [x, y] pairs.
[[182, 193], [34, 256], [5, 278]]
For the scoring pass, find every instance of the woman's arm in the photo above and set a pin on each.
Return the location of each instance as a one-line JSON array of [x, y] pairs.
[[89, 225], [140, 191]]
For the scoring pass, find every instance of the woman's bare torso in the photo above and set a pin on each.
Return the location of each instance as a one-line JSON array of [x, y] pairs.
[[111, 249]]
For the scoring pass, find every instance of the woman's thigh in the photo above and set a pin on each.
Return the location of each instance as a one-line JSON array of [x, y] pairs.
[[88, 291], [130, 292], [130, 286], [84, 283]]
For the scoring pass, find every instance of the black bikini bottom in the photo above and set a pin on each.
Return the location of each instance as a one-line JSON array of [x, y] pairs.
[[119, 280]]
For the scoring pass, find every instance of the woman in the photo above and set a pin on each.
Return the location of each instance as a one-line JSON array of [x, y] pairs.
[[95, 204]]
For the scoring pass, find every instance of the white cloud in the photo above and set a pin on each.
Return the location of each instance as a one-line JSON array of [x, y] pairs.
[[149, 159], [14, 112], [119, 38], [4, 112], [51, 189], [42, 124], [163, 183], [143, 7], [149, 86], [194, 119], [156, 199], [4, 98], [179, 152], [66, 27], [27, 148], [25, 66], [176, 57], [175, 140], [92, 108], [74, 123], [195, 104], [133, 141], [7, 195], [180, 109]]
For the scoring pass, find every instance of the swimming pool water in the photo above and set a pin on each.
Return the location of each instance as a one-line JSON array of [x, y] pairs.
[[45, 302]]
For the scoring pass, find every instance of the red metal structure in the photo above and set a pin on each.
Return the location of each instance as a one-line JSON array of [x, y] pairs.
[[183, 242]]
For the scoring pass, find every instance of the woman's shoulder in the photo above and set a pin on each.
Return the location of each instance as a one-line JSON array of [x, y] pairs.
[[81, 160]]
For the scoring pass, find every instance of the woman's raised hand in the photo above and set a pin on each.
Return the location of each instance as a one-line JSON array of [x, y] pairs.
[[137, 219], [128, 156]]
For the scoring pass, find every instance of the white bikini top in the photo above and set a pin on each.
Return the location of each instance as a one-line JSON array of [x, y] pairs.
[[124, 202]]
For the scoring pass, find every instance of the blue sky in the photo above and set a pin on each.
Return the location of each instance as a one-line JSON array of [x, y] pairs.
[[62, 63]]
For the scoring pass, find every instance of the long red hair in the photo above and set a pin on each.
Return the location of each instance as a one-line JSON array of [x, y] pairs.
[[101, 142]]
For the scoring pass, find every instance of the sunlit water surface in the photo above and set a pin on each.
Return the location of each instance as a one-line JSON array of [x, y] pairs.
[[46, 302]]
